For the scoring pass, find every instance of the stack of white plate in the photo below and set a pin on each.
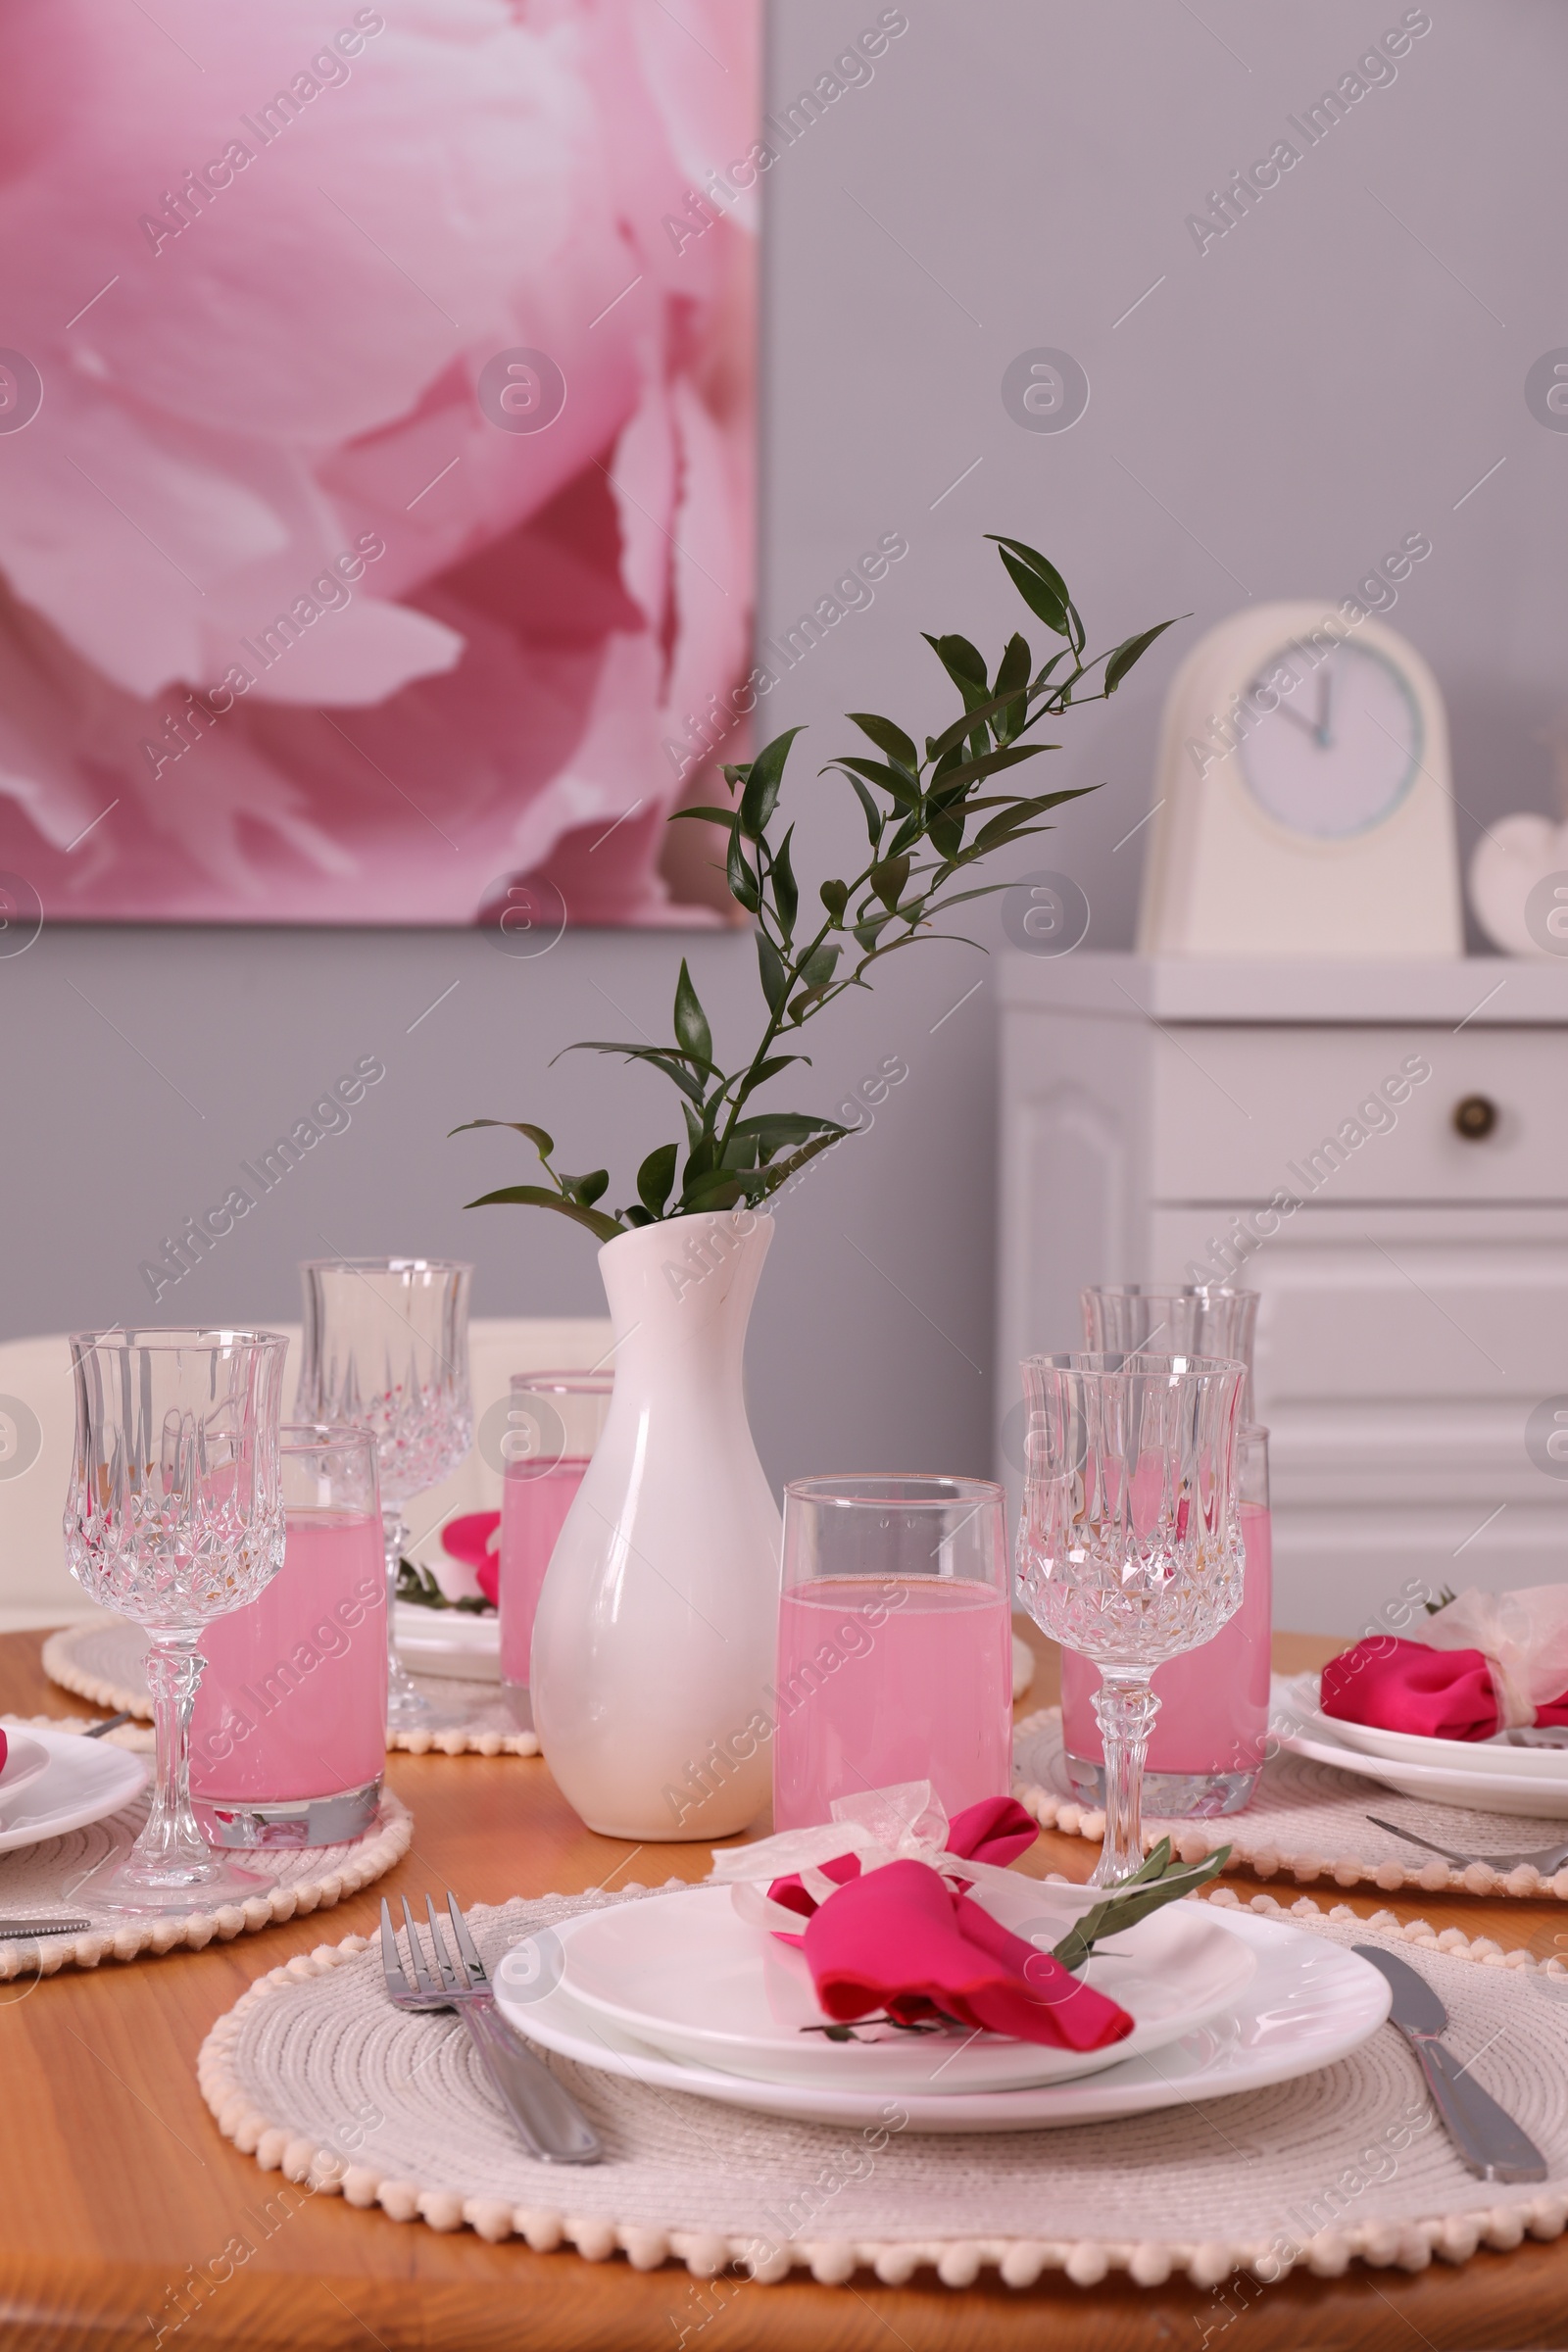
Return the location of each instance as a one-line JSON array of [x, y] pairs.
[[1515, 1771], [52, 1782], [678, 1992]]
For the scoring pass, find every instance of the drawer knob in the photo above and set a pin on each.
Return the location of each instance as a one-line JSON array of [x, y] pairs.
[[1475, 1116]]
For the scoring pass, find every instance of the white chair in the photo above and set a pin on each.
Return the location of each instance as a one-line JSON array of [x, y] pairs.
[[37, 1424]]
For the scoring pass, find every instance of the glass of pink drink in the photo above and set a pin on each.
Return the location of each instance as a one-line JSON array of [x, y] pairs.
[[895, 1643], [288, 1740], [553, 1424], [1205, 1750]]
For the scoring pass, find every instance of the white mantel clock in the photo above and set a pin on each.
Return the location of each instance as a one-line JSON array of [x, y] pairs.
[[1303, 803]]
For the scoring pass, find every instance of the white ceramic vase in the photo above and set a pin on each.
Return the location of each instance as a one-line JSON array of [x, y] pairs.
[[658, 1627]]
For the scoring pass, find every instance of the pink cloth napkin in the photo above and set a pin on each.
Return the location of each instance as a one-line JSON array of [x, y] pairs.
[[1406, 1687], [901, 1939], [2, 1751], [468, 1539]]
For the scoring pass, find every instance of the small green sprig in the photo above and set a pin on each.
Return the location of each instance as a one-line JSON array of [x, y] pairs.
[[1159, 1881], [928, 822], [417, 1585]]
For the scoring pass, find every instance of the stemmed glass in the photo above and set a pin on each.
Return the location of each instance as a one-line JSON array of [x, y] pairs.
[[386, 1349], [1208, 1318], [1126, 1549], [174, 1517]]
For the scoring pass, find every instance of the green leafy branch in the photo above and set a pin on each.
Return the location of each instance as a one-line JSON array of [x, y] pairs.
[[929, 821], [1159, 1881]]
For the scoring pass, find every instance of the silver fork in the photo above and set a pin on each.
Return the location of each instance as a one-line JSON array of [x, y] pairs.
[[550, 2124], [1548, 1859]]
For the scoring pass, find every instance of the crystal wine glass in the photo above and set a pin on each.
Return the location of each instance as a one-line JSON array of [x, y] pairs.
[[386, 1349], [1126, 1549], [174, 1517]]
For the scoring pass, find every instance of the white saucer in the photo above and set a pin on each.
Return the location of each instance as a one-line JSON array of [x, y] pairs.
[[25, 1758], [450, 1642], [1303, 1730], [686, 1974], [1310, 2003], [85, 1780]]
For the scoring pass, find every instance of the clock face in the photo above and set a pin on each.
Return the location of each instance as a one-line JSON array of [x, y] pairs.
[[1336, 747]]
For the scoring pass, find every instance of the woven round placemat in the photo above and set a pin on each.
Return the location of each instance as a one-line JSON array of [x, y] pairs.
[[1308, 1822], [313, 2072], [40, 1881], [101, 1658]]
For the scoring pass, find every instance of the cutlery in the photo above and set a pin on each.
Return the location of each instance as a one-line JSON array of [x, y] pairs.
[[109, 1723], [1548, 1859], [551, 2126], [14, 1930], [1489, 2142]]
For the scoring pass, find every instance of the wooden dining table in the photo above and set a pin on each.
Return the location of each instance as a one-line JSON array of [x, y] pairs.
[[116, 2185]]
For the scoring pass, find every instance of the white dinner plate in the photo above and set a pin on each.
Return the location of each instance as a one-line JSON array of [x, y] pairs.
[[25, 1758], [85, 1780], [449, 1642], [1308, 2003], [1303, 1732], [685, 1973], [1514, 1759]]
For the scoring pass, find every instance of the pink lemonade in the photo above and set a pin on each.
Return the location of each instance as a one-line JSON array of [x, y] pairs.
[[1213, 1701], [534, 1503], [292, 1704], [890, 1678]]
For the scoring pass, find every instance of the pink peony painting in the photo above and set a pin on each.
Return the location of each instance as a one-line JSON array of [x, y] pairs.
[[376, 451]]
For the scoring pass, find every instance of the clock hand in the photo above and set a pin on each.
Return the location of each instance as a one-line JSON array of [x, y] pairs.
[[1299, 718], [1325, 709]]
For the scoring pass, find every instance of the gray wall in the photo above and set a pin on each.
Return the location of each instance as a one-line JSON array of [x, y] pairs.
[[1334, 373]]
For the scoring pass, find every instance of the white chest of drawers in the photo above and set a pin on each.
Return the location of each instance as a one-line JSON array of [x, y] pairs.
[[1408, 1233]]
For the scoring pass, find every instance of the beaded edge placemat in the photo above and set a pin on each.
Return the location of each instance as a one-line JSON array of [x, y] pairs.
[[344, 2054], [99, 1660], [32, 1885], [1308, 1821]]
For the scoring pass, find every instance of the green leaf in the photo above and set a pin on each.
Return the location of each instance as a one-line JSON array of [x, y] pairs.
[[817, 969], [770, 964], [780, 1170], [870, 930], [786, 890], [991, 764], [947, 834], [874, 818], [764, 1070], [662, 1057], [904, 790], [1041, 598], [963, 665], [888, 877], [586, 1190], [543, 1144], [1158, 1881], [834, 897], [1012, 673], [887, 738], [772, 1128], [1131, 650], [656, 1177], [762, 780], [534, 1195], [691, 1022], [720, 1189], [635, 1216], [738, 873], [1042, 587], [712, 816]]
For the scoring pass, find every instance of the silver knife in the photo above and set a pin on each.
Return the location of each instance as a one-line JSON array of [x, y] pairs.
[[12, 1929], [1489, 2142]]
